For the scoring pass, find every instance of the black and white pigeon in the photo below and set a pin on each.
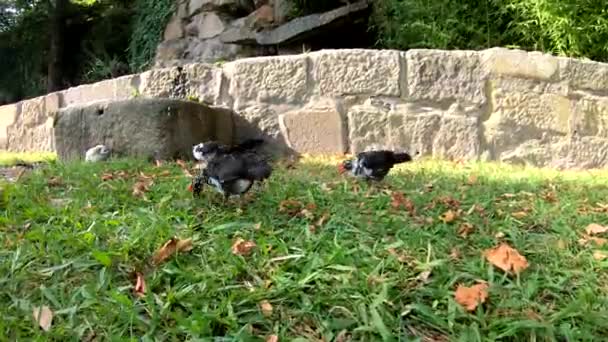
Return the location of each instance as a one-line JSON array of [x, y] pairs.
[[373, 165], [231, 174], [205, 152]]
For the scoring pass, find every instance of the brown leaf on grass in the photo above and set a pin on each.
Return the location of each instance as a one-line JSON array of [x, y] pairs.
[[242, 247], [266, 308], [471, 297], [141, 187], [54, 181], [165, 173], [402, 257], [140, 285], [158, 162], [272, 338], [600, 255], [424, 276], [290, 207], [465, 229], [519, 214], [448, 217], [597, 241], [398, 201], [550, 196], [44, 317], [472, 180], [449, 202], [343, 336], [506, 258], [184, 167], [594, 229], [171, 247]]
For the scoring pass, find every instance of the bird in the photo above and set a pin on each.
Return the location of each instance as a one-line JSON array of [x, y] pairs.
[[373, 165], [231, 174], [97, 153], [205, 152]]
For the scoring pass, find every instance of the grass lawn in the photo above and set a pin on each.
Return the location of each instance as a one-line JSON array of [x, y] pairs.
[[335, 262]]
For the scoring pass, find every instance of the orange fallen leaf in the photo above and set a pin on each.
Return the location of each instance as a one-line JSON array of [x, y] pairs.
[[465, 229], [519, 214], [600, 255], [550, 197], [242, 247], [448, 217], [44, 317], [471, 297], [266, 308], [171, 247], [472, 180], [455, 254], [506, 258], [594, 229], [597, 241], [272, 338], [290, 207], [140, 285]]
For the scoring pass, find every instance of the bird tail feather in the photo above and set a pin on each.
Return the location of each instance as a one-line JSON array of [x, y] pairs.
[[402, 157]]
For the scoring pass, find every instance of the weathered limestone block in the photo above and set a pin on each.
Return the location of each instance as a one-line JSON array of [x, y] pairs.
[[584, 75], [36, 138], [271, 80], [368, 127], [584, 153], [71, 96], [590, 117], [157, 82], [440, 76], [458, 137], [535, 152], [524, 110], [32, 112], [100, 91], [139, 128], [8, 116], [356, 72], [125, 87], [521, 64], [204, 81], [414, 129], [316, 129]]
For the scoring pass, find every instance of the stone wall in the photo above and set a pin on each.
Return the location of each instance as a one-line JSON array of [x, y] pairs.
[[496, 104]]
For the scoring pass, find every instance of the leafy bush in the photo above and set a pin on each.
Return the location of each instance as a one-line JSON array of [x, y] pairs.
[[151, 18], [577, 28]]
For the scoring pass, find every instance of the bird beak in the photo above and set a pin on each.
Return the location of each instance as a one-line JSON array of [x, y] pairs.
[[190, 187], [341, 168]]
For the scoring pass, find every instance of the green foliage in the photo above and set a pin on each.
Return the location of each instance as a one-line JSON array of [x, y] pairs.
[[576, 28], [150, 21]]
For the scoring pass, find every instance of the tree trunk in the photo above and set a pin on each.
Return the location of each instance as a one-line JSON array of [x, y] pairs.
[[55, 70]]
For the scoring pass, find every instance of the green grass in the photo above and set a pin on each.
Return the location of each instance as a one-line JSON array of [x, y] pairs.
[[76, 244], [10, 158]]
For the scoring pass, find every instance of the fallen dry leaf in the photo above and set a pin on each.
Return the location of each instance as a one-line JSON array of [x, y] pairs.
[[54, 181], [597, 241], [471, 297], [242, 247], [506, 258], [398, 200], [519, 214], [402, 257], [272, 338], [44, 317], [343, 336], [170, 247], [266, 308], [550, 197], [455, 254], [140, 285], [424, 276], [600, 255], [290, 207], [465, 229], [594, 229], [472, 180], [448, 217]]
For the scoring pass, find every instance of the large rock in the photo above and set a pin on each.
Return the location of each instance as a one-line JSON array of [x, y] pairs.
[[356, 72], [8, 115], [438, 76], [140, 128], [205, 25], [317, 129]]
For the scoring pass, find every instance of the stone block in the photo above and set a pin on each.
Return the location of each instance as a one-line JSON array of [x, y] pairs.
[[204, 82], [33, 112], [272, 80], [584, 75], [157, 82], [126, 87], [206, 25], [71, 96], [356, 72], [314, 130], [138, 128], [99, 91], [8, 116], [521, 64], [413, 128], [446, 76], [368, 127], [458, 137]]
